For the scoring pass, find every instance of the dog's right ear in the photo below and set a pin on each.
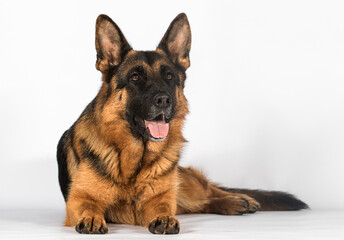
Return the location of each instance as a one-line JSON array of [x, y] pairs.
[[111, 44]]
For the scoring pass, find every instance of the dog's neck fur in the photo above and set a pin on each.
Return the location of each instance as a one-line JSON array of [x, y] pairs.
[[123, 156]]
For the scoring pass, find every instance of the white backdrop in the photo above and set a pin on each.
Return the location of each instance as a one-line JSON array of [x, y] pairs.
[[265, 89]]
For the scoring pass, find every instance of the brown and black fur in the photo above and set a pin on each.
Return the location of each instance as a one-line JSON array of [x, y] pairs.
[[112, 170]]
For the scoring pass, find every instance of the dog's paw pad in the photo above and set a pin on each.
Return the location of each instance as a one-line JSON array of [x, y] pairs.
[[89, 225], [164, 225]]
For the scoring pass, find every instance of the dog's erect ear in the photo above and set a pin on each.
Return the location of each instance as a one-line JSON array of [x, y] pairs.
[[177, 41], [111, 44]]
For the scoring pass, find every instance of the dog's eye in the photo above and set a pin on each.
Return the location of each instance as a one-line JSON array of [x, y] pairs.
[[169, 76], [135, 77]]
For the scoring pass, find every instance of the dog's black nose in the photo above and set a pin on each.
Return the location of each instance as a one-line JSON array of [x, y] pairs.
[[162, 100]]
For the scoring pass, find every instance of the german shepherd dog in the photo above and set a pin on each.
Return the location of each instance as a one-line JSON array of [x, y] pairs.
[[118, 162]]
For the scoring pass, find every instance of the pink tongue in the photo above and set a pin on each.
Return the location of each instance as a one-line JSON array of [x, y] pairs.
[[158, 129]]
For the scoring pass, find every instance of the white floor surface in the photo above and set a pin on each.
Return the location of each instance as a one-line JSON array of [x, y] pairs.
[[309, 224]]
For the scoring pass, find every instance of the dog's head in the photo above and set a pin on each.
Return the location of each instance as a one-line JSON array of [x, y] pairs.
[[151, 82]]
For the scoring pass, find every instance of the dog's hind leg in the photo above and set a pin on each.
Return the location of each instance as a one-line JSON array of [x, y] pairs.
[[196, 194]]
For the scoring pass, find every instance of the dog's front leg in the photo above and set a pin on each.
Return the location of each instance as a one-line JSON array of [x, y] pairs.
[[157, 213], [85, 214]]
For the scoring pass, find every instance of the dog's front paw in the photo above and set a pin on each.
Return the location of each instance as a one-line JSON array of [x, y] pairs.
[[91, 225], [164, 225]]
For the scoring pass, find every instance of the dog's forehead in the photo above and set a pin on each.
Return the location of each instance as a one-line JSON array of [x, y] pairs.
[[151, 61], [150, 57]]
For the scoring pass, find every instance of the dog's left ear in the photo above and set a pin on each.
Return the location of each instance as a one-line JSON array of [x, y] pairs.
[[177, 41]]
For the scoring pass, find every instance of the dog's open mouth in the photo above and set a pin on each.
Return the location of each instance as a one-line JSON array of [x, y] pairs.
[[157, 127]]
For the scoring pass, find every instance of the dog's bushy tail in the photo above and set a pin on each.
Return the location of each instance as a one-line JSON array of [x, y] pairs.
[[271, 200]]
